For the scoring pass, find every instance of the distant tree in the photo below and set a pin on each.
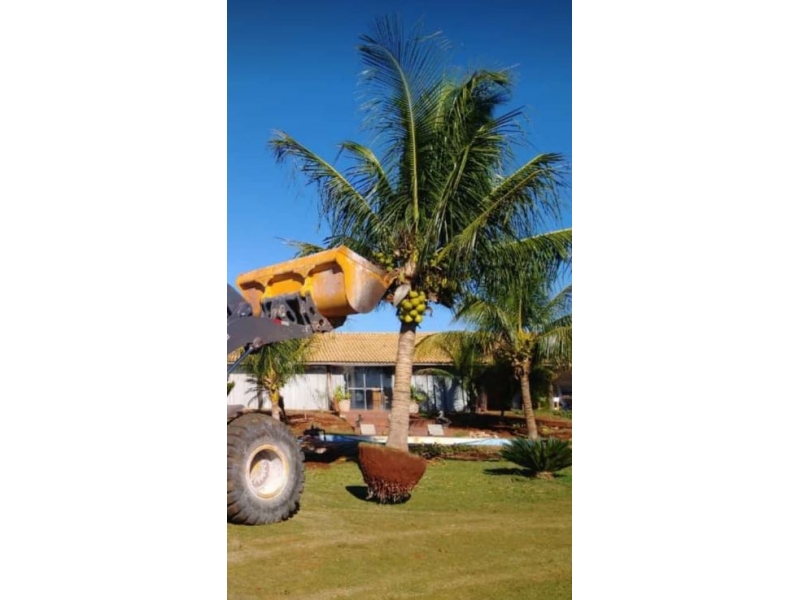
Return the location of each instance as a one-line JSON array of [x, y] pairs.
[[542, 378], [522, 321]]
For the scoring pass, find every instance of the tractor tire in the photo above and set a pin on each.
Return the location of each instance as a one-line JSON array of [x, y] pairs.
[[265, 471]]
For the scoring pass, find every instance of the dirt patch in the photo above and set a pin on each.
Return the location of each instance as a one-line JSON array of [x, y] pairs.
[[301, 421], [493, 424]]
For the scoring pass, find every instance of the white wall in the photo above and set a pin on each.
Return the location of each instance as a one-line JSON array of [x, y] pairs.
[[311, 391], [444, 394], [242, 392], [302, 392]]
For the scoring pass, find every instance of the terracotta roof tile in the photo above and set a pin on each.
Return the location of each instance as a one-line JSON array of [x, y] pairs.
[[363, 349], [367, 349]]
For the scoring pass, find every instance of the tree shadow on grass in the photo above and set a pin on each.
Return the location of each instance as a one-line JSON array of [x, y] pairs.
[[522, 472], [358, 491], [528, 474]]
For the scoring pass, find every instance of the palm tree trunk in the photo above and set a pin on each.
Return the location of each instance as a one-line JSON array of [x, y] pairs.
[[401, 397], [329, 384], [527, 404], [275, 397]]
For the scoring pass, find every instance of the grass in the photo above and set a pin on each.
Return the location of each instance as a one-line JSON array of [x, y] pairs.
[[472, 530], [549, 412]]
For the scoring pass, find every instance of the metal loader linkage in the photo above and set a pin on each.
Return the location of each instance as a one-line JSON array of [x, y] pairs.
[[284, 318]]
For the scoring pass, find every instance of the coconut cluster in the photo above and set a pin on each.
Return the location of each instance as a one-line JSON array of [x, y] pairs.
[[413, 307], [385, 260]]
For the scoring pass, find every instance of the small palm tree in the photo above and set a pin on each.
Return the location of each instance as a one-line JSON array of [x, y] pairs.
[[272, 367], [541, 458], [440, 188]]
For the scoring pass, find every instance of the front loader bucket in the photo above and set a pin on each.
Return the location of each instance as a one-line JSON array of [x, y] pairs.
[[340, 282]]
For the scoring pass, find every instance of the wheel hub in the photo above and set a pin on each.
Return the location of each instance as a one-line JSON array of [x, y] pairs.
[[267, 472]]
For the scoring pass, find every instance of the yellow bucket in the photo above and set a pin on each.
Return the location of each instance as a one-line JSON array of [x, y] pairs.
[[339, 281]]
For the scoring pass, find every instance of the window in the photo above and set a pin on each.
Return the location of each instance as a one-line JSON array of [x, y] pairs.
[[370, 388]]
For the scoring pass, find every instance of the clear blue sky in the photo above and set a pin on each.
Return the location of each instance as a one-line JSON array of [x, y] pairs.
[[293, 66]]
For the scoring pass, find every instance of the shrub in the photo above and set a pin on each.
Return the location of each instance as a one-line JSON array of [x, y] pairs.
[[455, 452], [417, 395], [540, 456], [431, 451]]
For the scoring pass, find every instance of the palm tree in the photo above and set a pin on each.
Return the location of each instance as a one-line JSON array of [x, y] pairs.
[[434, 192], [272, 367], [522, 321]]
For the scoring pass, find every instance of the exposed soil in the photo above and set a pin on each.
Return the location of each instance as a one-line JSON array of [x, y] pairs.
[[301, 421], [466, 425]]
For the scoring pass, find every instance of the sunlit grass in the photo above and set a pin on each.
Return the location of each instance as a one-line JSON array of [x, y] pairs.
[[471, 530]]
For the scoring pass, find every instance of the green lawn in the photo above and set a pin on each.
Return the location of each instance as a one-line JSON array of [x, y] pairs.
[[467, 532]]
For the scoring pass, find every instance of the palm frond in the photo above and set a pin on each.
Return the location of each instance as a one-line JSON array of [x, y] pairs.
[[346, 207], [363, 244], [471, 146], [404, 74], [561, 303], [514, 207], [302, 248], [492, 319], [436, 372], [532, 264], [368, 174], [530, 193], [555, 343], [545, 250], [276, 363]]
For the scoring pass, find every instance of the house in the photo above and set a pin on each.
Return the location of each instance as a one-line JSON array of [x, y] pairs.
[[364, 364]]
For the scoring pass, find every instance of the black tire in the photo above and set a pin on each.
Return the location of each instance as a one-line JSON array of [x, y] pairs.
[[265, 471]]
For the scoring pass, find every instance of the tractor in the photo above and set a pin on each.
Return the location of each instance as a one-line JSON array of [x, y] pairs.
[[294, 299]]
